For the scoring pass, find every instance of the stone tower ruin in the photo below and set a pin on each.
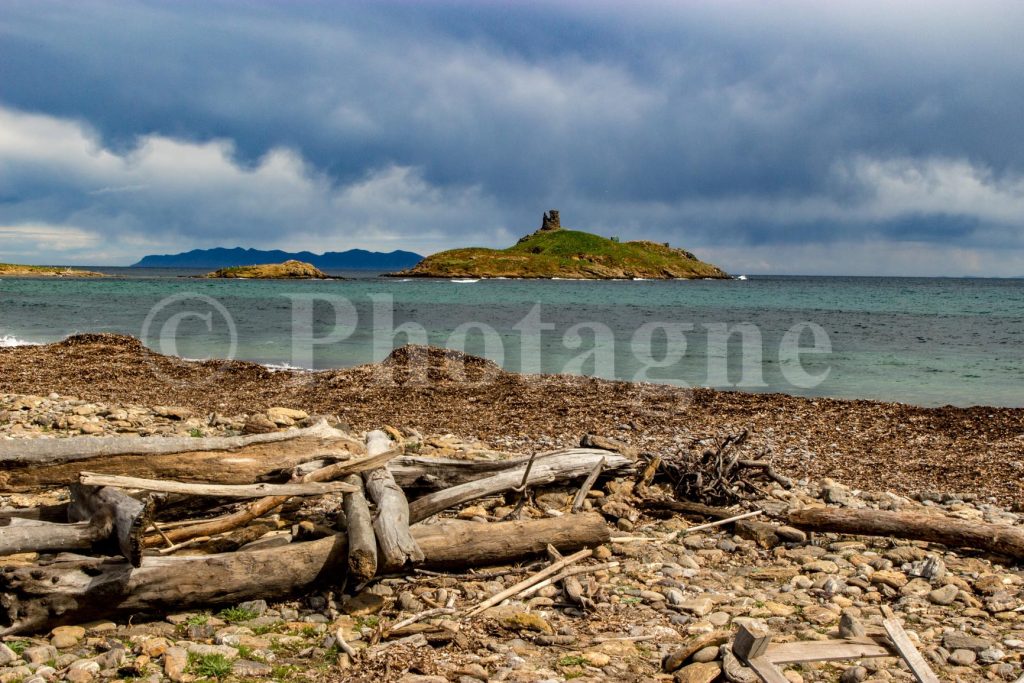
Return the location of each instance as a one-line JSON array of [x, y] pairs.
[[550, 221]]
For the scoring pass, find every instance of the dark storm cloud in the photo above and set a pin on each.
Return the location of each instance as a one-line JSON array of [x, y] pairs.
[[718, 126]]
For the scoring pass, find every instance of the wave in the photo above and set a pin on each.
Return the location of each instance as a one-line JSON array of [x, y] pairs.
[[9, 340]]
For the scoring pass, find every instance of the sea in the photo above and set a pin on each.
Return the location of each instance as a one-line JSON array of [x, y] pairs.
[[922, 341]]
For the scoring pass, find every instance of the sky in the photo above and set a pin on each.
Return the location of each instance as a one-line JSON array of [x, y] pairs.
[[865, 138]]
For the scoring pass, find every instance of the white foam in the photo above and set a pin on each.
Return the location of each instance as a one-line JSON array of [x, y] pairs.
[[9, 340]]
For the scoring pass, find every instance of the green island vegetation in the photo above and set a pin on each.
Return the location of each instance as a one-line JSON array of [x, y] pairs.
[[554, 252]]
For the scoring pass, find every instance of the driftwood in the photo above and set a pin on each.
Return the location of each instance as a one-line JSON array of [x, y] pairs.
[[43, 513], [362, 543], [558, 466], [125, 518], [949, 531], [38, 598], [396, 546], [36, 463], [686, 507], [29, 535], [95, 515], [215, 490], [253, 510]]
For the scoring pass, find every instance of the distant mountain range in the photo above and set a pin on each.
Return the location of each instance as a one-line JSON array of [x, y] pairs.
[[220, 257]]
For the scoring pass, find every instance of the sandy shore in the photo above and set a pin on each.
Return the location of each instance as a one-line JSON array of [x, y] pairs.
[[864, 444]]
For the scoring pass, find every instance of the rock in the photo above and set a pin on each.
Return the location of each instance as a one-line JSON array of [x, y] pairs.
[[698, 606], [698, 672], [247, 668], [259, 424], [991, 655], [707, 654], [933, 568], [819, 615], [175, 663], [35, 656], [596, 658], [7, 655], [674, 660], [945, 595], [154, 647], [891, 578], [675, 596], [529, 621], [790, 534], [823, 566], [172, 412], [277, 413], [734, 671], [850, 626], [762, 533], [257, 606], [854, 674], [962, 657], [835, 495], [112, 658], [1001, 601], [958, 640], [65, 637], [719, 618], [474, 671], [83, 671], [472, 511], [203, 650], [363, 604], [989, 584]]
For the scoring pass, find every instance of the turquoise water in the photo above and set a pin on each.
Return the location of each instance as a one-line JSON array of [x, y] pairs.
[[927, 341]]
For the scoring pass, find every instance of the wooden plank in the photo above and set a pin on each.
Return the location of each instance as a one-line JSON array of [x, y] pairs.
[[218, 490], [751, 642], [922, 672], [825, 650], [766, 671]]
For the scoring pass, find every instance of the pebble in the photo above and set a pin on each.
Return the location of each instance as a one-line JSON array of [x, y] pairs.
[[175, 663], [7, 655], [698, 672], [945, 595], [697, 606]]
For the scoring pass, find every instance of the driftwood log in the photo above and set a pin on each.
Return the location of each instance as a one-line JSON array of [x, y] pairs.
[[215, 490], [395, 545], [362, 542], [124, 517], [29, 535], [37, 598], [558, 466], [263, 506], [28, 464], [949, 531], [95, 515]]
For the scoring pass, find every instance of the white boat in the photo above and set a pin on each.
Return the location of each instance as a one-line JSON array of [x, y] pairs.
[[465, 280], [742, 277]]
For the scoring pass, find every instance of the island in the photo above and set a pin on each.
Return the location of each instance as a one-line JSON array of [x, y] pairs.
[[17, 270], [289, 270], [219, 257], [555, 252]]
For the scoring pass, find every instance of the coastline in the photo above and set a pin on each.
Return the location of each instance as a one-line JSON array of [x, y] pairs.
[[864, 444]]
